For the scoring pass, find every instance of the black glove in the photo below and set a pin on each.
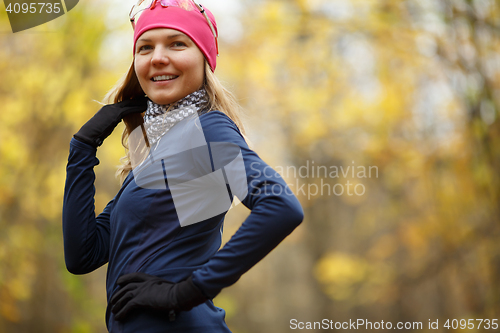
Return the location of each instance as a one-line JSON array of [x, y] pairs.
[[100, 126], [140, 290]]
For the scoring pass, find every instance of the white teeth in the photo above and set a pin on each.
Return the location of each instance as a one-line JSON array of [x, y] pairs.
[[164, 77]]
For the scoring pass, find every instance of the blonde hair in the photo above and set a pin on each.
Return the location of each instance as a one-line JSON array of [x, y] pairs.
[[128, 87]]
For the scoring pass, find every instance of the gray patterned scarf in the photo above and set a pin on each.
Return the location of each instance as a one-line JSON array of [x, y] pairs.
[[160, 118]]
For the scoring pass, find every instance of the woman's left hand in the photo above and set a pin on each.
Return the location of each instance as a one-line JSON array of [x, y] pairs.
[[140, 290]]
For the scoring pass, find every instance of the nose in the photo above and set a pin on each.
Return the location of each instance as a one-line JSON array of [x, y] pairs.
[[160, 57]]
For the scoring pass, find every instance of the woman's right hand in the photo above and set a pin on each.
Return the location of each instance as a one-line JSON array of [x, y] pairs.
[[102, 124]]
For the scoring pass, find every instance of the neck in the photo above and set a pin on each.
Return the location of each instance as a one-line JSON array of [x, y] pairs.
[[160, 118]]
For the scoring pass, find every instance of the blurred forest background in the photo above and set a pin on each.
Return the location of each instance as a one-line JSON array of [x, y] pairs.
[[410, 88]]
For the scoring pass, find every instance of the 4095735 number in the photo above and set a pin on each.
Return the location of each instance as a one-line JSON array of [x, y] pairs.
[[33, 8], [471, 324]]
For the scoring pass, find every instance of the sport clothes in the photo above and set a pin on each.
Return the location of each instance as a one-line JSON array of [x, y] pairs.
[[140, 230]]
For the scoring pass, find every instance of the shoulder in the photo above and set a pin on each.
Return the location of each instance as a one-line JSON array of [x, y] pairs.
[[217, 118], [217, 126]]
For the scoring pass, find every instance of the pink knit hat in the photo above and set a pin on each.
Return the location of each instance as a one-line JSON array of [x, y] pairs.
[[192, 23]]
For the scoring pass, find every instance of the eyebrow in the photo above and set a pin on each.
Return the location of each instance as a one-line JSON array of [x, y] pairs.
[[169, 37]]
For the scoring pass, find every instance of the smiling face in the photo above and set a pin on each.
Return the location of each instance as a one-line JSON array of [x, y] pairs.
[[168, 64]]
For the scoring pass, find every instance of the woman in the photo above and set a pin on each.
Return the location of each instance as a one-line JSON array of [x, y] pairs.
[[186, 159]]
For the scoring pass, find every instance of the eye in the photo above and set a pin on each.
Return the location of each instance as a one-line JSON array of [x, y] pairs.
[[179, 44], [143, 48]]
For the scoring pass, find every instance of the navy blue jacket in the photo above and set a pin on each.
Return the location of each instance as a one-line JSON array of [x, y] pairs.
[[139, 231]]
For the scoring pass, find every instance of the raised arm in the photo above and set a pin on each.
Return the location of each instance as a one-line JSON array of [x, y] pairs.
[[86, 238]]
